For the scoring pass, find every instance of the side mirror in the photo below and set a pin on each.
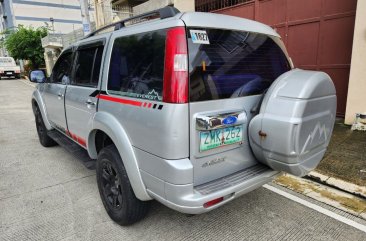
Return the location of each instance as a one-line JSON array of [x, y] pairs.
[[37, 76]]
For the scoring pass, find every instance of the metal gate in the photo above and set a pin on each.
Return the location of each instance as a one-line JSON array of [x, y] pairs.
[[318, 33]]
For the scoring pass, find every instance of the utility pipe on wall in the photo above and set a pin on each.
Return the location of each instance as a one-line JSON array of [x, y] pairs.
[[85, 16]]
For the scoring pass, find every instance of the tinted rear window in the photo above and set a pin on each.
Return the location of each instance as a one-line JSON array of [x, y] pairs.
[[137, 66], [233, 64]]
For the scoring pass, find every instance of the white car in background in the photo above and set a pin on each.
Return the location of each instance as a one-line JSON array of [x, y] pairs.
[[8, 68]]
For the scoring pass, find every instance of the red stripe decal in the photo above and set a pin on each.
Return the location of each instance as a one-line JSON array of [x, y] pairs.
[[80, 140], [119, 100], [149, 105]]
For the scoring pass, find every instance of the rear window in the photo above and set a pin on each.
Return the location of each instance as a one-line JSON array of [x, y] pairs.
[[7, 62], [229, 64], [137, 66]]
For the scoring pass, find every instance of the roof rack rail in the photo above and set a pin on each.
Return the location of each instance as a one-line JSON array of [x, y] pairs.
[[165, 12]]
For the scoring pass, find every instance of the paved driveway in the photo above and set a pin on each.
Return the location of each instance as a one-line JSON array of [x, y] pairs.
[[46, 194]]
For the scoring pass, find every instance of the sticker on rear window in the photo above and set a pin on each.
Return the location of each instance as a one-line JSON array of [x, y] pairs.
[[199, 37]]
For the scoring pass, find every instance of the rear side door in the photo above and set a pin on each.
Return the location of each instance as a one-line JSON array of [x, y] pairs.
[[81, 101], [54, 90], [229, 71]]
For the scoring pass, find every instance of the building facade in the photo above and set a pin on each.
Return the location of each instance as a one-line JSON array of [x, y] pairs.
[[60, 16]]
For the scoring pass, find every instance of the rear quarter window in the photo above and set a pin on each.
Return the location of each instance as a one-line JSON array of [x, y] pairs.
[[137, 66], [232, 64]]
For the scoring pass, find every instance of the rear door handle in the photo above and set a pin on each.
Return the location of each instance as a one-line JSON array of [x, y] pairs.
[[90, 102], [60, 95]]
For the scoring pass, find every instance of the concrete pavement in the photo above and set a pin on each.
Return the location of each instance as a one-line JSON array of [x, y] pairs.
[[46, 194], [345, 158]]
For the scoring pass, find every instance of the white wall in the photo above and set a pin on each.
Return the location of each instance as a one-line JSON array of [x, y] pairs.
[[184, 5], [66, 2], [59, 27], [72, 16], [356, 99]]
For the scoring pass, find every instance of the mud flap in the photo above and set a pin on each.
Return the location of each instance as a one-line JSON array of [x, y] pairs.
[[294, 125]]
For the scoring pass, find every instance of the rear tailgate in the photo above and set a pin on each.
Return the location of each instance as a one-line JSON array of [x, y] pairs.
[[229, 70]]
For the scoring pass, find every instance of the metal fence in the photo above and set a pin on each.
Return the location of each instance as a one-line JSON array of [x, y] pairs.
[[74, 36], [211, 5], [110, 14], [107, 15], [121, 12]]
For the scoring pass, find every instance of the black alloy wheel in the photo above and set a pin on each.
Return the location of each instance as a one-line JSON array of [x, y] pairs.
[[111, 184], [44, 139], [115, 189]]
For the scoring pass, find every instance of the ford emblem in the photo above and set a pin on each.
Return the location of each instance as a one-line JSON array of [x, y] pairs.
[[229, 120]]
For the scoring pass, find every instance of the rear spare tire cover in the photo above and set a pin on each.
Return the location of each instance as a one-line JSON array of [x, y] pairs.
[[295, 122]]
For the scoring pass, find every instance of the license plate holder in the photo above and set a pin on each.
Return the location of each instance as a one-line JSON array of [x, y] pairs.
[[220, 137]]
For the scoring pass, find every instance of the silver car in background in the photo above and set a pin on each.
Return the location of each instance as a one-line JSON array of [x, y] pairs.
[[189, 109]]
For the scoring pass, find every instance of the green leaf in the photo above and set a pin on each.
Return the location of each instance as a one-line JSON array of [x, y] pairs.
[[25, 43]]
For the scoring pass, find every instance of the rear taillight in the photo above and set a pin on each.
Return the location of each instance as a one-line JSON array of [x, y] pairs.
[[213, 202], [175, 88]]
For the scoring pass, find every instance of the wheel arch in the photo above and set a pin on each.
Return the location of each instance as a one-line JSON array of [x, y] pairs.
[[107, 126], [38, 102]]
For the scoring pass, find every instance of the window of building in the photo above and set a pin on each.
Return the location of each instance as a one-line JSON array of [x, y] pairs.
[[211, 5]]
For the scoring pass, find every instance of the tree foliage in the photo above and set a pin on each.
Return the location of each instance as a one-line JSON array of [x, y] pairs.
[[25, 43]]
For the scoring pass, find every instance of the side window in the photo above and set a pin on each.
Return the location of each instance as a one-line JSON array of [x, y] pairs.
[[61, 71], [87, 66], [137, 66], [97, 66]]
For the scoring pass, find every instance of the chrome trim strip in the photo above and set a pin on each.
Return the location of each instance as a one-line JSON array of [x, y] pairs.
[[211, 122]]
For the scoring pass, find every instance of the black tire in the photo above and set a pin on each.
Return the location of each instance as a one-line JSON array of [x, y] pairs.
[[115, 189], [17, 76], [43, 137]]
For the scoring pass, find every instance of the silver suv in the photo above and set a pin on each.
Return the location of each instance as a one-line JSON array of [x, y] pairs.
[[190, 109]]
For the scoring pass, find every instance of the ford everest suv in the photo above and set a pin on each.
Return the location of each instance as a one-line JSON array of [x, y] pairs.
[[189, 109]]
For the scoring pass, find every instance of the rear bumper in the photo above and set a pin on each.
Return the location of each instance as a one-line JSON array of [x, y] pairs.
[[9, 73], [191, 199]]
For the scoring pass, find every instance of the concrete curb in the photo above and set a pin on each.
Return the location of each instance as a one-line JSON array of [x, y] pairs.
[[338, 184], [324, 193]]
